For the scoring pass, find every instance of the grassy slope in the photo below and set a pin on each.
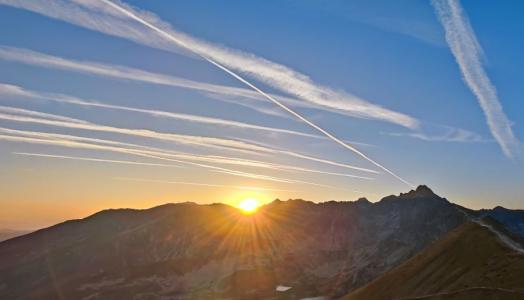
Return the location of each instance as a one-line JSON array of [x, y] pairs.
[[454, 267]]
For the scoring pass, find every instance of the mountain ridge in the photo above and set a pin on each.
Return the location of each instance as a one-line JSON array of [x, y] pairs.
[[470, 262], [213, 251]]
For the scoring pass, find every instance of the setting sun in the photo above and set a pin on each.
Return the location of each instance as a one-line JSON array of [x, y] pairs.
[[249, 205]]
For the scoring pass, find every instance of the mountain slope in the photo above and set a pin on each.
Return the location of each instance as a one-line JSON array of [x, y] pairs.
[[6, 234], [470, 262], [513, 220], [189, 251]]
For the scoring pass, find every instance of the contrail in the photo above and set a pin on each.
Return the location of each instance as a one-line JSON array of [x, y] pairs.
[[157, 153], [251, 188], [208, 142], [32, 113], [221, 185], [126, 162], [100, 16], [252, 86], [227, 94], [61, 98], [468, 54], [74, 144], [18, 91]]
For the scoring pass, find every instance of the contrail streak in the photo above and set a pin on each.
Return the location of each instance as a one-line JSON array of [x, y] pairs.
[[74, 144], [126, 162], [161, 152], [239, 78], [209, 142], [61, 98], [468, 54], [232, 95], [98, 144], [251, 188], [32, 113], [100, 16]]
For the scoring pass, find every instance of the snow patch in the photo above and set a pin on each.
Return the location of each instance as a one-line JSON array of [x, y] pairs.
[[282, 288]]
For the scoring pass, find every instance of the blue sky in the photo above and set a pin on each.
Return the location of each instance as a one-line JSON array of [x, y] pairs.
[[380, 75]]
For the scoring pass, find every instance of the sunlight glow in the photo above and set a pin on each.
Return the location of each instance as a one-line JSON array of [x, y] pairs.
[[249, 205]]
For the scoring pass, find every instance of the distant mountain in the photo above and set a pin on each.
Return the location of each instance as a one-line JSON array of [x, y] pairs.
[[6, 234], [190, 251], [513, 220], [470, 262]]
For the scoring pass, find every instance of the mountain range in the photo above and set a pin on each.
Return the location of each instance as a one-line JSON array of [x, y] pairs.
[[416, 245]]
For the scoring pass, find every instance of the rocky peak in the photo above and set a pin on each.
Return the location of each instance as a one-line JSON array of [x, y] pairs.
[[422, 191], [362, 201]]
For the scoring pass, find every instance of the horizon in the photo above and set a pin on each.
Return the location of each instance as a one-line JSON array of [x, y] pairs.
[[134, 104], [235, 206], [262, 205]]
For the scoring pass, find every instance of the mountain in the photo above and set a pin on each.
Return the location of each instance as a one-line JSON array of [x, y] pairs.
[[513, 220], [470, 262], [190, 251], [6, 234]]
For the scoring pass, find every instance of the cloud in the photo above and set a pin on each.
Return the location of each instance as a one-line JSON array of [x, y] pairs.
[[297, 83], [92, 159], [208, 142], [232, 95], [83, 145], [228, 60], [32, 113], [450, 134], [157, 153], [104, 16], [468, 54], [251, 188], [7, 89], [227, 94]]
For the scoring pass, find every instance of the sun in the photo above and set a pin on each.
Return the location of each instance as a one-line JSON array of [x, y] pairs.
[[249, 205]]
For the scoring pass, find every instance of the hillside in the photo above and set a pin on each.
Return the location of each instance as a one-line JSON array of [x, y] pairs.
[[6, 234], [190, 251], [468, 263], [513, 220]]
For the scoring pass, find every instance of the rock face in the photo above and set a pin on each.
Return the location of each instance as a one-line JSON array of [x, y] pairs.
[[190, 251], [470, 262]]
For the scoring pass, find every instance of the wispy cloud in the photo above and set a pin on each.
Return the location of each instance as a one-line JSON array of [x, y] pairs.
[[156, 153], [450, 134], [251, 188], [32, 113], [227, 94], [128, 162], [92, 159], [208, 142], [468, 54], [222, 60], [203, 141], [239, 96], [84, 145], [102, 16], [228, 60], [20, 91]]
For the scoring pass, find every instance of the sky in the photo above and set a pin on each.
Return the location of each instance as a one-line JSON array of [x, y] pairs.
[[107, 104]]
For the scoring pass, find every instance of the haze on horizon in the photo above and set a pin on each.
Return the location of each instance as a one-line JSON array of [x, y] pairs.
[[99, 111]]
